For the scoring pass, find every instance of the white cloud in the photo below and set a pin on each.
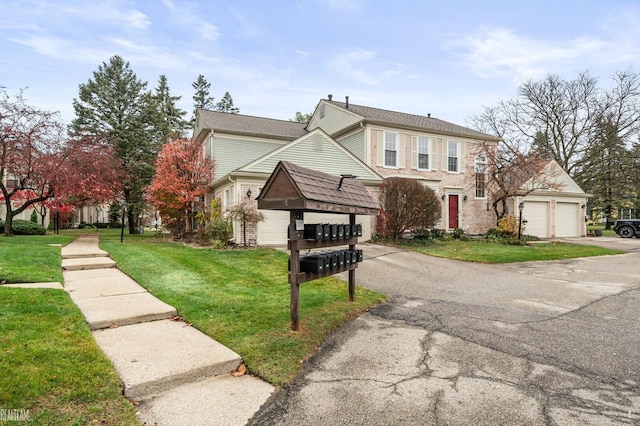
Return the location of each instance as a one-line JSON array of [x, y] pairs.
[[364, 66], [496, 52]]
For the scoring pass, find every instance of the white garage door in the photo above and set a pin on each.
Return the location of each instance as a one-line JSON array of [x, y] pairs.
[[273, 231], [567, 220], [537, 215]]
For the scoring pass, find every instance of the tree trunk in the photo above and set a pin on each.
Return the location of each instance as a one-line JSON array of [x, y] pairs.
[[132, 222], [8, 224]]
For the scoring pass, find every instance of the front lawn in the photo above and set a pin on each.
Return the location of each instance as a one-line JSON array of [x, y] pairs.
[[51, 366], [31, 258], [489, 252], [241, 299]]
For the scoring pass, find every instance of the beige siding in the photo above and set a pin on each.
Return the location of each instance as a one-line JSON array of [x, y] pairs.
[[334, 119], [355, 144], [329, 159], [232, 153]]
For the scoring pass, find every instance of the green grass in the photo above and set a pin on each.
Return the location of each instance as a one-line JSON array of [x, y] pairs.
[[488, 252], [605, 232], [51, 365], [30, 258], [241, 299]]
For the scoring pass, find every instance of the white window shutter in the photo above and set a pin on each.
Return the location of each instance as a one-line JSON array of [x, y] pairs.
[[380, 143], [414, 152], [462, 160], [445, 155], [400, 147], [432, 154]]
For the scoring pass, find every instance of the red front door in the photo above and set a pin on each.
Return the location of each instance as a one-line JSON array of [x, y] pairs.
[[453, 211]]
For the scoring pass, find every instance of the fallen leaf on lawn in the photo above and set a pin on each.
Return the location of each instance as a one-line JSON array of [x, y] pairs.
[[134, 402], [240, 371]]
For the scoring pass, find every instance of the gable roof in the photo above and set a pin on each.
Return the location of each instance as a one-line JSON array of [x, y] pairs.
[[250, 126], [551, 175], [293, 187], [394, 118], [331, 158]]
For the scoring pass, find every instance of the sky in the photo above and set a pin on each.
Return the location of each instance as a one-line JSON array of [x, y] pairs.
[[276, 57]]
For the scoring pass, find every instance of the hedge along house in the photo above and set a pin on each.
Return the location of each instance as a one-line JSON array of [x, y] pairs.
[[372, 144], [245, 151]]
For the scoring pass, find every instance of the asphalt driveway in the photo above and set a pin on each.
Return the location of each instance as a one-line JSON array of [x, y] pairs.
[[540, 343]]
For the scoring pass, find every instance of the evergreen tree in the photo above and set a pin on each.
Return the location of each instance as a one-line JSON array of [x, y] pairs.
[[226, 104], [201, 97], [170, 119], [116, 106], [603, 171], [301, 118]]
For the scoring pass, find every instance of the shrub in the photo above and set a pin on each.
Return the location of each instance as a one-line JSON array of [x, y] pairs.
[[405, 204], [25, 227], [34, 217], [509, 225]]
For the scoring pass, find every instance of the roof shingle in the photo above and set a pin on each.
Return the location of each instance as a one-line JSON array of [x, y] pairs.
[[411, 120], [249, 125]]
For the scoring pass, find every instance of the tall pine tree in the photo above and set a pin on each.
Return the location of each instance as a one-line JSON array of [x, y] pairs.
[[201, 97], [170, 122], [226, 104], [116, 105]]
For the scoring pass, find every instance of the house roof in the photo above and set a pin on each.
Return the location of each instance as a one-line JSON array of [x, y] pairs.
[[249, 125], [383, 116], [293, 187]]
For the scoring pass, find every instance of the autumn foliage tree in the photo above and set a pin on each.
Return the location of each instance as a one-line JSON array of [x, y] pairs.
[[39, 162], [406, 204], [182, 175]]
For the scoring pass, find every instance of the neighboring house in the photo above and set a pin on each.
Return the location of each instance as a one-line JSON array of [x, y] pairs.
[[559, 210], [343, 138]]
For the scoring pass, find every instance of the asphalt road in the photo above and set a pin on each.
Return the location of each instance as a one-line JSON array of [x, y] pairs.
[[540, 343]]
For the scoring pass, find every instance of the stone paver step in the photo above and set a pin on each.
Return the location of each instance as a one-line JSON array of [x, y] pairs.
[[222, 400], [123, 309], [79, 264], [89, 283], [160, 355]]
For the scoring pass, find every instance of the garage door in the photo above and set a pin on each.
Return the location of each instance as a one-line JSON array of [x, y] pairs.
[[273, 231], [537, 215], [567, 220]]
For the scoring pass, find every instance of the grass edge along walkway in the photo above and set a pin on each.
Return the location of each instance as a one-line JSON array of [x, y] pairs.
[[51, 366], [240, 298]]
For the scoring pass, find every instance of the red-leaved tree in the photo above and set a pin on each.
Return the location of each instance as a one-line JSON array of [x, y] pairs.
[[39, 162], [182, 175]]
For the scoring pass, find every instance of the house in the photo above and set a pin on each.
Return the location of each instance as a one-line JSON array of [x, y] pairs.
[[343, 138], [555, 209]]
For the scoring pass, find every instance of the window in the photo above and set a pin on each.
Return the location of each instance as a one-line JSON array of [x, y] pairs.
[[481, 176], [423, 153], [452, 157], [390, 149]]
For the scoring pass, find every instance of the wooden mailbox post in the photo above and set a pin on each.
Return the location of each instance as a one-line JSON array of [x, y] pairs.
[[298, 190]]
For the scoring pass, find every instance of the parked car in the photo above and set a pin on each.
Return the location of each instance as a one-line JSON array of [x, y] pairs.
[[627, 228]]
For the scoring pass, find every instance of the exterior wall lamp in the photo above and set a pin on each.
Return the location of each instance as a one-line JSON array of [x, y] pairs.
[[249, 193], [444, 196], [465, 198]]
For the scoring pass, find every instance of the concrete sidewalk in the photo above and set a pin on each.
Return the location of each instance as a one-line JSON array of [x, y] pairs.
[[177, 374]]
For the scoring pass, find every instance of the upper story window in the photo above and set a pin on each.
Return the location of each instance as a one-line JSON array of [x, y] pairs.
[[423, 153], [481, 176], [390, 149], [452, 157]]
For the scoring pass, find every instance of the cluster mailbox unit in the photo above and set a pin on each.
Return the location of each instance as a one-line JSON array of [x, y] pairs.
[[298, 190]]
